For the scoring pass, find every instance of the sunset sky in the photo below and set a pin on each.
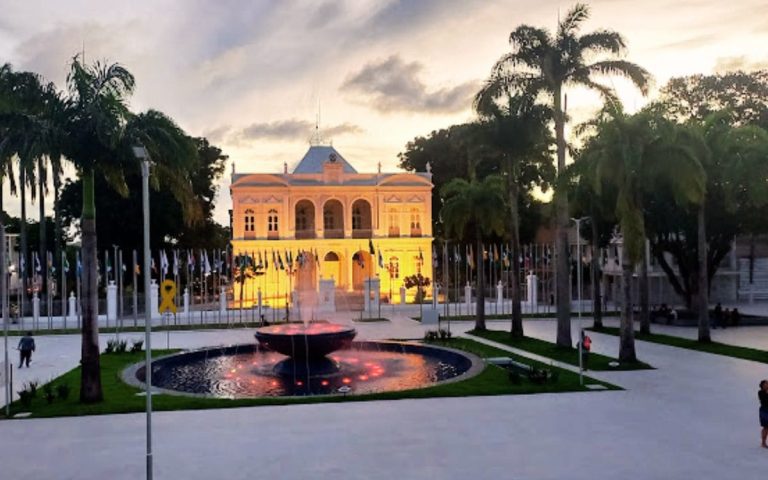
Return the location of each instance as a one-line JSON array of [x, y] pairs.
[[250, 75]]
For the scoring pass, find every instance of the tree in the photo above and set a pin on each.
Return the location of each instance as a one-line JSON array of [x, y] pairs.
[[101, 132], [541, 64], [472, 211], [637, 155], [519, 131], [166, 216]]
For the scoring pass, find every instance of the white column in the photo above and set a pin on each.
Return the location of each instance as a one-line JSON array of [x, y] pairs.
[[111, 301], [533, 290], [185, 300], [153, 300], [499, 293], [72, 307], [435, 294], [376, 287], [35, 309], [367, 294], [223, 301], [468, 298]]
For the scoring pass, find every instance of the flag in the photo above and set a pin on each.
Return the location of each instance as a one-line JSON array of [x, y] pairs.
[[38, 268], [154, 267], [471, 258], [175, 263], [505, 253], [381, 259], [456, 254], [421, 256], [435, 262], [280, 261], [317, 260], [79, 265], [360, 260], [261, 263], [22, 264], [163, 263], [274, 260], [206, 265], [370, 247], [51, 268], [65, 263], [495, 253]]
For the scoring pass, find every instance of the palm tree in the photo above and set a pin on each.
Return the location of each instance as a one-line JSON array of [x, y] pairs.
[[101, 133], [471, 211], [637, 154], [544, 65], [519, 131]]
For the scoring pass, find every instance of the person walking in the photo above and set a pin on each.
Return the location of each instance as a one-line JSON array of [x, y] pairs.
[[762, 394], [586, 345], [26, 347]]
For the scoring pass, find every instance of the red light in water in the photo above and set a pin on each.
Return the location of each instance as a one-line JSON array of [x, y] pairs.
[[299, 383], [233, 370], [324, 383], [239, 365], [274, 383], [346, 380], [363, 377]]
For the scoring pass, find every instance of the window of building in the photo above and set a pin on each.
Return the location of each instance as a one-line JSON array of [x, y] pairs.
[[393, 220], [394, 267], [357, 218], [328, 223], [250, 224], [302, 220], [415, 222], [272, 221]]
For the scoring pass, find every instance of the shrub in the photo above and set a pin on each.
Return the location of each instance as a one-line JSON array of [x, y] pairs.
[[48, 391], [25, 397], [430, 336], [111, 345], [444, 334], [121, 347], [62, 390], [137, 345], [32, 387], [515, 378]]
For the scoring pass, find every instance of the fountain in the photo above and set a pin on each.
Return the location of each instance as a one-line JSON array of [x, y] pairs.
[[307, 358]]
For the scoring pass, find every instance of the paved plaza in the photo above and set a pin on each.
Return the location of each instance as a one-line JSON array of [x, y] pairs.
[[695, 416]]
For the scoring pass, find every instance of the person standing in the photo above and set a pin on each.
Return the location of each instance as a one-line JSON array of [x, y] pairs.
[[26, 347], [762, 394]]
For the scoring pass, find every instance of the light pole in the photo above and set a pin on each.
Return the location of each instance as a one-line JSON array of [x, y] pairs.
[[143, 156], [578, 287], [3, 287]]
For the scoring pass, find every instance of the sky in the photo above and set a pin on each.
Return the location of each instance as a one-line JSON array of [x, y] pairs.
[[255, 76]]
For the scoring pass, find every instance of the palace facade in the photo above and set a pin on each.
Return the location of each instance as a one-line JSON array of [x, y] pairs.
[[322, 220]]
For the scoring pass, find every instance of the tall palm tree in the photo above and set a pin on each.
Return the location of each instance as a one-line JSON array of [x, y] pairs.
[[101, 133], [636, 154], [519, 130], [544, 65], [473, 210]]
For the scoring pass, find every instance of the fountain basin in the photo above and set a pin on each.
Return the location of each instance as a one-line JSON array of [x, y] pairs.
[[312, 341]]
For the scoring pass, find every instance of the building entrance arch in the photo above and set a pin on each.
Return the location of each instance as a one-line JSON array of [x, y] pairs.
[[362, 268]]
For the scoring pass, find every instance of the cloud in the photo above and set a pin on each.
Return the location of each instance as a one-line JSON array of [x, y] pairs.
[[393, 85], [292, 129], [690, 42], [739, 63]]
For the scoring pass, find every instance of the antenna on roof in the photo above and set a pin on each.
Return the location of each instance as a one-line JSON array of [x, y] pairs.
[[316, 139]]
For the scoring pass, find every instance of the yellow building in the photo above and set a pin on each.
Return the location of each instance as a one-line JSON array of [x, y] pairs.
[[325, 217]]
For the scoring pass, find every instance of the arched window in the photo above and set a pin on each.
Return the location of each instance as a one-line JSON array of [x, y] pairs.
[[250, 222], [272, 222], [328, 222]]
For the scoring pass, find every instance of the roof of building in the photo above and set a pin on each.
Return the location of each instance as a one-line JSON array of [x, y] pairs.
[[317, 155]]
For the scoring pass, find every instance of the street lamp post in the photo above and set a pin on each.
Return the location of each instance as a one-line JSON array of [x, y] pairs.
[[578, 287], [143, 156]]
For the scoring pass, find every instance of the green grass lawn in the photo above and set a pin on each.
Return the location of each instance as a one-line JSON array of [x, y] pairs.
[[744, 353], [121, 398], [370, 320], [570, 356]]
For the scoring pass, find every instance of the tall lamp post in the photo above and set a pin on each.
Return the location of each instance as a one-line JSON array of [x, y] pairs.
[[142, 155], [578, 287]]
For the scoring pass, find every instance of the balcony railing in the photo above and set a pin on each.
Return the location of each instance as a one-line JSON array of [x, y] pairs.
[[333, 233], [415, 232], [362, 233], [394, 232], [303, 234], [273, 236]]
